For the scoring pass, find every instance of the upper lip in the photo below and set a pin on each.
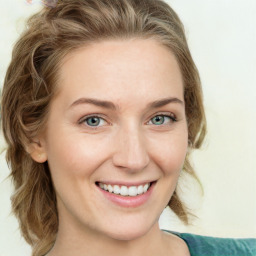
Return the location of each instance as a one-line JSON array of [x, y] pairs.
[[125, 183]]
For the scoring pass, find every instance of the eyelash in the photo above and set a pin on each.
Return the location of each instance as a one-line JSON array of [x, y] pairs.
[[83, 120], [168, 115]]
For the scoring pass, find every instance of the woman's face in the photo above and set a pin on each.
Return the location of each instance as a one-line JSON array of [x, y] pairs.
[[117, 123]]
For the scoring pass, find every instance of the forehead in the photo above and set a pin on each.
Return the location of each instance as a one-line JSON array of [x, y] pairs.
[[117, 68]]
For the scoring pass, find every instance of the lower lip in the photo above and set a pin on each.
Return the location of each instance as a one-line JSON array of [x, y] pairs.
[[128, 201]]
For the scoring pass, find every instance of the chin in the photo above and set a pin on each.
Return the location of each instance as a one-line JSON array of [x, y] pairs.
[[127, 236], [129, 233]]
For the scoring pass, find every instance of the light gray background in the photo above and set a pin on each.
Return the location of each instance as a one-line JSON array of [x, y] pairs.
[[222, 38]]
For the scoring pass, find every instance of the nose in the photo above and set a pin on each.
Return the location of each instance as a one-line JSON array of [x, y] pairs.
[[130, 150]]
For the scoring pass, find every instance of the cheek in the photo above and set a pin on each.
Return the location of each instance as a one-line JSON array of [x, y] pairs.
[[76, 156], [72, 163], [169, 152]]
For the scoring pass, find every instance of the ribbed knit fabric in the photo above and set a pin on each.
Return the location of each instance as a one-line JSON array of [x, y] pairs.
[[213, 246]]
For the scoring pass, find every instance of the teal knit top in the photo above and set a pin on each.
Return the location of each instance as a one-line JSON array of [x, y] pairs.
[[212, 246]]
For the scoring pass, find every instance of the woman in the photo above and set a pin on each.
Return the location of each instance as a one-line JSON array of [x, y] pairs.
[[101, 107]]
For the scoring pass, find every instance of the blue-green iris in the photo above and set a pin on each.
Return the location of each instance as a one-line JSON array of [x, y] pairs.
[[93, 121], [158, 120]]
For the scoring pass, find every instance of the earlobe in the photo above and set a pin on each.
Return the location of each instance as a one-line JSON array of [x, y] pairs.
[[37, 152]]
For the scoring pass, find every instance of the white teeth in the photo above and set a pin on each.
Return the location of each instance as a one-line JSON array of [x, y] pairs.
[[124, 190], [140, 190], [116, 190], [145, 188], [133, 191], [110, 189]]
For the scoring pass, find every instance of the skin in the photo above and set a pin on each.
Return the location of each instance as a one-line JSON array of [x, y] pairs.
[[127, 146]]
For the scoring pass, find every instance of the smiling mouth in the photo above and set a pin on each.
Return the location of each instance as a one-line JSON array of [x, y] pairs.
[[126, 191]]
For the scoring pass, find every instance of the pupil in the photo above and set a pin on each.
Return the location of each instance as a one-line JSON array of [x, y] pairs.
[[93, 121], [159, 119]]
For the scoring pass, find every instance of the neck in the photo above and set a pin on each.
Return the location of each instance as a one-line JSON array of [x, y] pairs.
[[80, 241]]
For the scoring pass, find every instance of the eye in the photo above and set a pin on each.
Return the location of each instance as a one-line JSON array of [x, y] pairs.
[[162, 119], [93, 121]]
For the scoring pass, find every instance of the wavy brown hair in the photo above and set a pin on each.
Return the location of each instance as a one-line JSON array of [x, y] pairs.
[[30, 83]]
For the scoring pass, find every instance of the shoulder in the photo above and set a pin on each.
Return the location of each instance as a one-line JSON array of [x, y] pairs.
[[213, 246], [175, 245], [205, 245]]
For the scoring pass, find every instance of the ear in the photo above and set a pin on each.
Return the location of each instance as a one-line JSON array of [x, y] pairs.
[[37, 151]]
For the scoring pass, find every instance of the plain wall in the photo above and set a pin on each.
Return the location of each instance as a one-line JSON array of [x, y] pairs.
[[222, 38]]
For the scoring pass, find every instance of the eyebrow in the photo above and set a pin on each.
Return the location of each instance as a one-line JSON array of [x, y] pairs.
[[163, 102], [96, 102], [112, 106]]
